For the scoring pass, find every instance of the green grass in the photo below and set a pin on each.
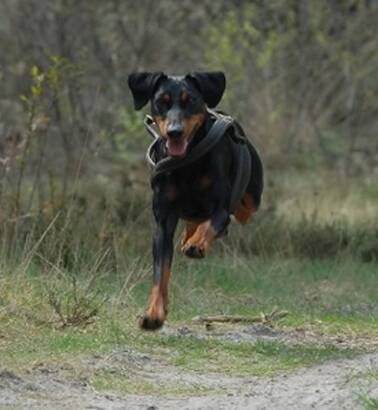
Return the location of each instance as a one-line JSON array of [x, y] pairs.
[[214, 356], [23, 343], [314, 293], [28, 346], [105, 380], [321, 289], [257, 359], [369, 403], [371, 377], [301, 264]]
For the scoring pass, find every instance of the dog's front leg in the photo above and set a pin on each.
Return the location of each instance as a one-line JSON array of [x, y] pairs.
[[162, 254], [198, 243]]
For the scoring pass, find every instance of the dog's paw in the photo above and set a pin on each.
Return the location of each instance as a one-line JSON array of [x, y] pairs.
[[147, 323], [194, 251]]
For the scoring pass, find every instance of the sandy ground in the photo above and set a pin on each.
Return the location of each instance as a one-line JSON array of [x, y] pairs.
[[333, 385]]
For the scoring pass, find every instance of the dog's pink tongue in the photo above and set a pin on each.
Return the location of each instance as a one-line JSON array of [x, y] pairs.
[[176, 148]]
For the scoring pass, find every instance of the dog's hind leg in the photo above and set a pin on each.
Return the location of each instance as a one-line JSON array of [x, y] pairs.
[[245, 209], [251, 199]]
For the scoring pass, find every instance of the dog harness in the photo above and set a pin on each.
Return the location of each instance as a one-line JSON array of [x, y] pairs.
[[223, 125]]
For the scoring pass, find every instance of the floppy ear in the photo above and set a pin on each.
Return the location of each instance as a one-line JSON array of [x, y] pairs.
[[142, 86], [211, 85]]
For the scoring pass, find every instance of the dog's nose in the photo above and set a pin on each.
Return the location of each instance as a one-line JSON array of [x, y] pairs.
[[175, 132]]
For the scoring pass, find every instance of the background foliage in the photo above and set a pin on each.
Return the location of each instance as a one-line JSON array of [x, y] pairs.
[[302, 78]]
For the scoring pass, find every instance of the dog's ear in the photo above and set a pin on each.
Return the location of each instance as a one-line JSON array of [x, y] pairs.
[[211, 85], [142, 86]]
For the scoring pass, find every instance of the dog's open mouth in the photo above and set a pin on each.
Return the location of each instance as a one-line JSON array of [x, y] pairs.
[[176, 147]]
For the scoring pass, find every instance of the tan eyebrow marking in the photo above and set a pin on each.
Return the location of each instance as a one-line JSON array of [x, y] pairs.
[[184, 96]]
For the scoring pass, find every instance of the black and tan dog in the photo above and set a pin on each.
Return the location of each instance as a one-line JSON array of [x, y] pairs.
[[198, 193]]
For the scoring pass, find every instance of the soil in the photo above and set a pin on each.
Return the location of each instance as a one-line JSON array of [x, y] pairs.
[[332, 385]]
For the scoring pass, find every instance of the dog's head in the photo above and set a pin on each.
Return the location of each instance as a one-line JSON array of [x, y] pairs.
[[178, 104]]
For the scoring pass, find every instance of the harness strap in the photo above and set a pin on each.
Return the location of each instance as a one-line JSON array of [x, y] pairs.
[[242, 159], [168, 164]]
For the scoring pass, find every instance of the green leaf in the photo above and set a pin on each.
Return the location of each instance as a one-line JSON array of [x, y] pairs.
[[36, 90], [34, 71], [23, 98]]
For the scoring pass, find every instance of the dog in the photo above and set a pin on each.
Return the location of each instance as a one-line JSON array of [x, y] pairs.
[[198, 193]]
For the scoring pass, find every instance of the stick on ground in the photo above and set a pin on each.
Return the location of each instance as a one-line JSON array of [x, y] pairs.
[[262, 318]]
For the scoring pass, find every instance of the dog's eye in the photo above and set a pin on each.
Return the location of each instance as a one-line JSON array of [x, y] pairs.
[[165, 99], [186, 99]]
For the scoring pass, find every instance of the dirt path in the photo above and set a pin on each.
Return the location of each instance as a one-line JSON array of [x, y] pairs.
[[328, 386]]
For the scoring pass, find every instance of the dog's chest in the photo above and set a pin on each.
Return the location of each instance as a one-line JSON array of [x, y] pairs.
[[192, 192]]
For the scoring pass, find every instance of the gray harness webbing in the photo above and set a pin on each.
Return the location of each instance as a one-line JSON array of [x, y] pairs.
[[240, 153]]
